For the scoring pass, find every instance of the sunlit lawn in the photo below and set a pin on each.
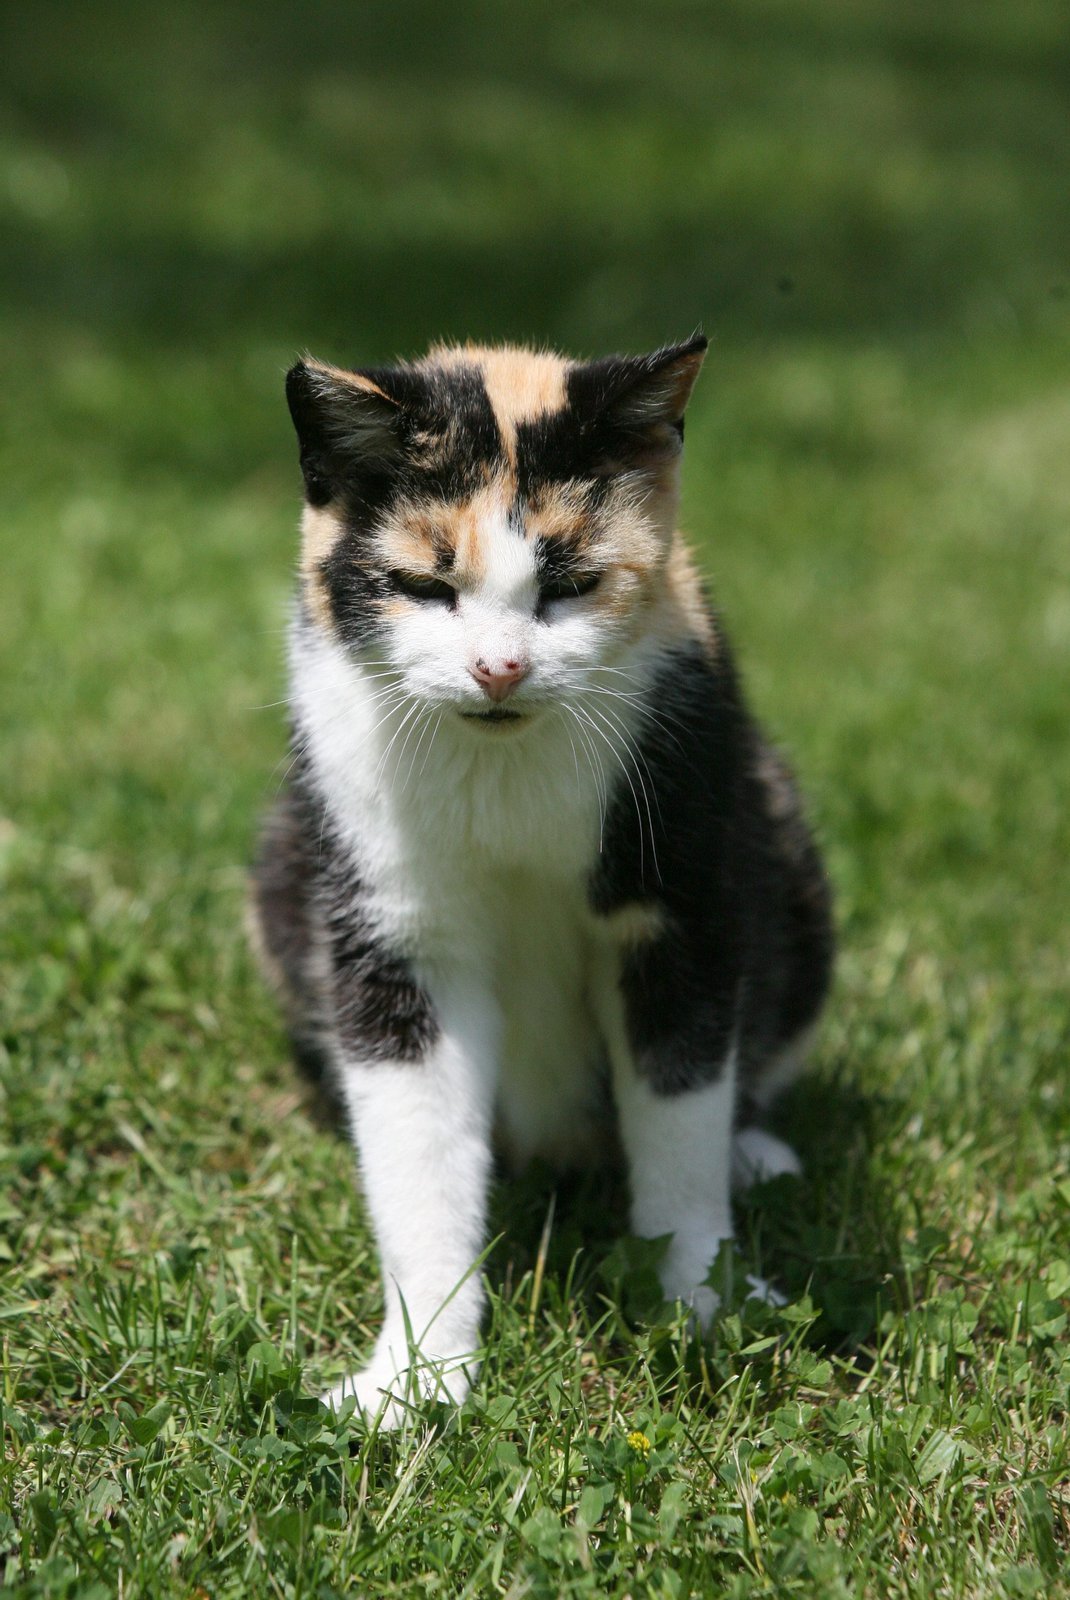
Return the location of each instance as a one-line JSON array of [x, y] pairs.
[[866, 209]]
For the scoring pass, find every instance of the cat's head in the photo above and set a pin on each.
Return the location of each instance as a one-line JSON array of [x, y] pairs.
[[490, 524]]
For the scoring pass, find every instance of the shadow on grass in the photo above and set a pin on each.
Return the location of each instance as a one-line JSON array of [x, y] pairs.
[[836, 1236], [833, 1235]]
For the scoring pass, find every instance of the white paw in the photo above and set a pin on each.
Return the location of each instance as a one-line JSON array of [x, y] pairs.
[[682, 1273], [678, 1280], [386, 1395], [758, 1156]]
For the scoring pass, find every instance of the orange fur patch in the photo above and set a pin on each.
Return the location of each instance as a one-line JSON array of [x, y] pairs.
[[320, 532], [521, 385], [411, 540], [352, 380], [683, 611], [558, 511], [415, 534]]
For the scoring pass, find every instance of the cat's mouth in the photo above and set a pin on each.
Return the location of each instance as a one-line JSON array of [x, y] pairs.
[[495, 717]]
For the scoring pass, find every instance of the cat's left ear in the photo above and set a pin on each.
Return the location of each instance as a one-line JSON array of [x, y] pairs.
[[639, 401]]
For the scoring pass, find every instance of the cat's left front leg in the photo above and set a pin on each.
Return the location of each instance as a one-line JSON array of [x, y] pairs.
[[678, 1141], [672, 1038]]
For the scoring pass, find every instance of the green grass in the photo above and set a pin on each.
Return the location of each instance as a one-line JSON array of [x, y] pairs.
[[866, 206]]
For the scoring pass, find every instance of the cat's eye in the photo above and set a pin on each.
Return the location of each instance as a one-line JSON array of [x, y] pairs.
[[568, 587], [415, 586]]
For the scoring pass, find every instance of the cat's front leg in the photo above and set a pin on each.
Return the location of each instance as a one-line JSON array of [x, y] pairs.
[[422, 1132], [670, 1018], [679, 1146]]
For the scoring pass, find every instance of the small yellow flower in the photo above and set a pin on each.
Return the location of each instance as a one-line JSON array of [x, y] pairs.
[[639, 1443]]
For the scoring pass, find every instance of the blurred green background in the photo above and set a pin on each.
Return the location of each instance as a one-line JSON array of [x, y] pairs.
[[865, 205]]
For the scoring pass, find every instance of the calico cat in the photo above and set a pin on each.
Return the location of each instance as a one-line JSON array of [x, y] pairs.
[[535, 867]]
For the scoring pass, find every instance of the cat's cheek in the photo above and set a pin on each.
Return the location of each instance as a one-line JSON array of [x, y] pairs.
[[427, 645], [576, 643]]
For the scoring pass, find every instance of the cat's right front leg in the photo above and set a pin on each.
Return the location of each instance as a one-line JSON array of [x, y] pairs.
[[421, 1123]]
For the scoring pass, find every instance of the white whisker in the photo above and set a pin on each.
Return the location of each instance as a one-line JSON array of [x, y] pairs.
[[423, 722], [597, 773], [430, 742], [638, 759], [414, 710], [599, 728]]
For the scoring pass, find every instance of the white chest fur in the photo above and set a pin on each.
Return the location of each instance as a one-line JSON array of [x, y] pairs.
[[474, 848], [419, 791]]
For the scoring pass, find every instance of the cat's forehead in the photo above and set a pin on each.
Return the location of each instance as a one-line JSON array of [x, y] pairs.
[[504, 412], [518, 386], [482, 476]]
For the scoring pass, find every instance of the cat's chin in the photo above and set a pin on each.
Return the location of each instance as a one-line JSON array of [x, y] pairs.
[[498, 720]]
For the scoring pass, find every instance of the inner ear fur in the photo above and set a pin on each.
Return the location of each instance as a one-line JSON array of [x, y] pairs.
[[639, 401], [659, 386]]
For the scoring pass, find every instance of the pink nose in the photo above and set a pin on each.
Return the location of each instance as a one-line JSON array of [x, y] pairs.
[[498, 679]]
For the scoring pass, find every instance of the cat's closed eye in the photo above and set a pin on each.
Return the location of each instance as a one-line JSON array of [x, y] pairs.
[[568, 587], [417, 587]]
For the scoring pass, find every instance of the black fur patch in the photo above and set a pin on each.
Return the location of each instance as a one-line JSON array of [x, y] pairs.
[[725, 856], [352, 575], [465, 441], [558, 560], [314, 447], [309, 899], [551, 449], [379, 1009], [615, 416], [447, 440]]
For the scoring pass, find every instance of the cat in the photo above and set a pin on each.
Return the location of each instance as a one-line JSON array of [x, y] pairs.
[[536, 880]]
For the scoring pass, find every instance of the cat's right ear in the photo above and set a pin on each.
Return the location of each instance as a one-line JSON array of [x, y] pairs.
[[633, 406], [345, 423]]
